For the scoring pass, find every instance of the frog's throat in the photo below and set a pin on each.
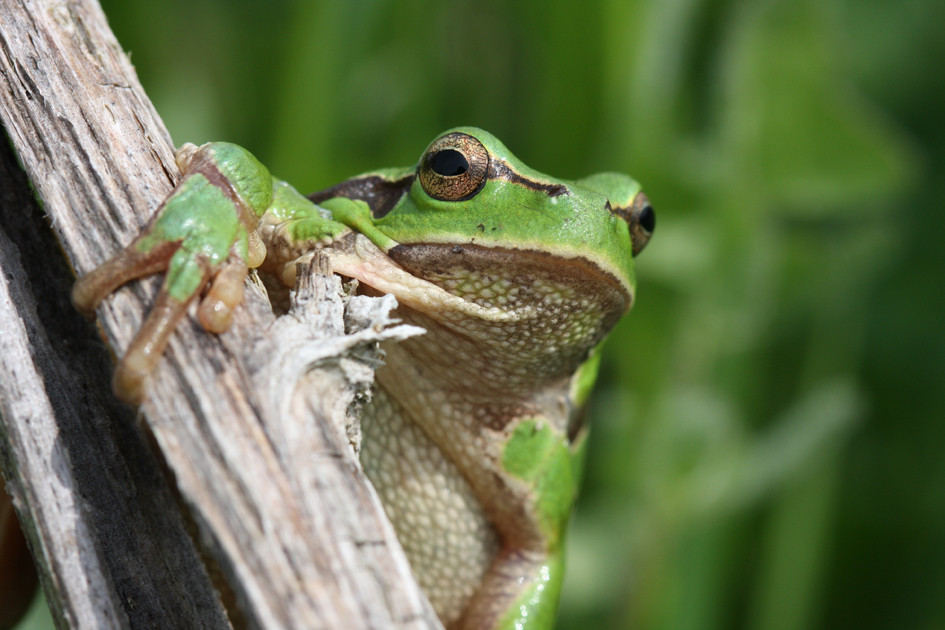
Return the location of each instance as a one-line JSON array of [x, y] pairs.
[[490, 284], [512, 278]]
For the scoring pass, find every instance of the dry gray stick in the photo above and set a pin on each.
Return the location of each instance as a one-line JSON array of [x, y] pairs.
[[270, 479]]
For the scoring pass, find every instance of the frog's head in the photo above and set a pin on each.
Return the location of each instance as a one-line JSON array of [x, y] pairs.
[[469, 190], [474, 220]]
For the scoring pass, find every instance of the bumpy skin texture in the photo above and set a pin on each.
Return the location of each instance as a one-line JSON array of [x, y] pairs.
[[474, 438]]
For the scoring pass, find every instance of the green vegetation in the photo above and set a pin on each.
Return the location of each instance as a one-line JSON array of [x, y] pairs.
[[770, 427]]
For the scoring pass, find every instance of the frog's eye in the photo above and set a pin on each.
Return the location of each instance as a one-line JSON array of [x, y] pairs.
[[454, 167], [642, 221]]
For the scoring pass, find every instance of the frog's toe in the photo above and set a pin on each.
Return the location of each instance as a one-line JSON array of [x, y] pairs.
[[146, 348], [129, 264], [225, 294]]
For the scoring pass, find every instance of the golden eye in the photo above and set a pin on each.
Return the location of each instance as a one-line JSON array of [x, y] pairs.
[[454, 167], [642, 222]]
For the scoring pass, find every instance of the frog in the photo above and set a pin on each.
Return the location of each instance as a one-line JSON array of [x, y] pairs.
[[475, 436]]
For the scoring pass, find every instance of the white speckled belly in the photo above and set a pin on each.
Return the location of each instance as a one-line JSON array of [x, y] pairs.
[[439, 521]]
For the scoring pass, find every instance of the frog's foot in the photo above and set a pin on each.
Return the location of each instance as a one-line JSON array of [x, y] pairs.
[[204, 231], [214, 313], [149, 342]]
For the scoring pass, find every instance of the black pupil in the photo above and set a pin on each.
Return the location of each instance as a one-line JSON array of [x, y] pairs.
[[449, 163], [647, 218]]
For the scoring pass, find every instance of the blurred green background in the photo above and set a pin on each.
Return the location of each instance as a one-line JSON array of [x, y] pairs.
[[768, 435]]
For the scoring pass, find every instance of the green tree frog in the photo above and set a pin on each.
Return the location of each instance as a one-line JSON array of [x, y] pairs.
[[474, 437]]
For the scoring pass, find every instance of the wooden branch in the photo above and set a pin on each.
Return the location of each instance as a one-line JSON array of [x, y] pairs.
[[101, 520], [253, 425]]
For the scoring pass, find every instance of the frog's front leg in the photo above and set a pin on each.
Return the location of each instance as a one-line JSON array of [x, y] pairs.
[[204, 231]]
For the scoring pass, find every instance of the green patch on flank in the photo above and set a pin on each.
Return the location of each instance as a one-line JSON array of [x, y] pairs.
[[540, 456]]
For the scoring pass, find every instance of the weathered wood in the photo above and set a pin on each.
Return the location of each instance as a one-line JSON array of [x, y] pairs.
[[98, 513], [251, 424]]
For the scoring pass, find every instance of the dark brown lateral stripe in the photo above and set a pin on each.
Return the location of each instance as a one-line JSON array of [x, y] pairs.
[[622, 212], [380, 194], [501, 170]]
